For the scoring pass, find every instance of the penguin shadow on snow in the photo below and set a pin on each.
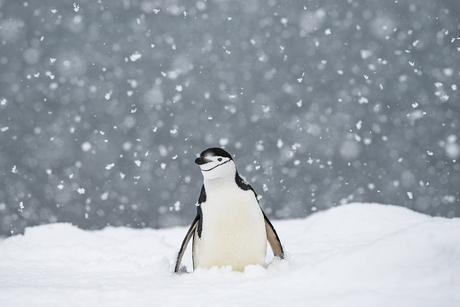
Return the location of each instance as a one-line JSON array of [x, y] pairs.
[[230, 228]]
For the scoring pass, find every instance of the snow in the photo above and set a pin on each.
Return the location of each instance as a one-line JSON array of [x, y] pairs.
[[352, 255]]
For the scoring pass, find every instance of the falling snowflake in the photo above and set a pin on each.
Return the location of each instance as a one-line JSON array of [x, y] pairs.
[[105, 195], [136, 56]]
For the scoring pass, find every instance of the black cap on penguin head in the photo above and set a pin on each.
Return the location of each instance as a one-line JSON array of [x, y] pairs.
[[212, 152], [215, 151]]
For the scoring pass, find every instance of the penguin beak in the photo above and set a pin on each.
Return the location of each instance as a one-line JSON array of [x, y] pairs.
[[202, 160]]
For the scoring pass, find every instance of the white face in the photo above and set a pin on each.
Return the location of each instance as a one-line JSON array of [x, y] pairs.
[[216, 167]]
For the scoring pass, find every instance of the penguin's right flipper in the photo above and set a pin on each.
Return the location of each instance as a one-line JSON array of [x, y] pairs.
[[183, 247], [273, 239]]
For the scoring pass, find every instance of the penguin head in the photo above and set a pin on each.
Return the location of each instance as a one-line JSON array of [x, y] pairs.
[[216, 163]]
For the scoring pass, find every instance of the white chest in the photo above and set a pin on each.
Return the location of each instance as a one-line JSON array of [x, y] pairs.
[[231, 204], [233, 230]]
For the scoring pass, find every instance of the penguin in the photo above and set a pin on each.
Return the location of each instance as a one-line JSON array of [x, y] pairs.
[[230, 228]]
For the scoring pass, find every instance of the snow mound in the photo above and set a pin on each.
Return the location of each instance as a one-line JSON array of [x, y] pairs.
[[352, 255]]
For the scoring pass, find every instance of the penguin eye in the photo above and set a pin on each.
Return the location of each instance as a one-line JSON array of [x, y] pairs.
[[220, 159]]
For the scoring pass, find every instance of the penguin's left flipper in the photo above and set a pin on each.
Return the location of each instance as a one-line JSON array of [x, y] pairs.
[[183, 247], [273, 239]]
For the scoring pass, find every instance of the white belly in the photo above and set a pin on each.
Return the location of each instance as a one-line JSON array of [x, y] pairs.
[[233, 231]]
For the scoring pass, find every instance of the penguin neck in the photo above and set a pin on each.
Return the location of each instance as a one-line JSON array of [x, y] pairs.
[[220, 183]]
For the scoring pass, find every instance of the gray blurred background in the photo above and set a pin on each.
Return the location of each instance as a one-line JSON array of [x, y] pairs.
[[104, 106]]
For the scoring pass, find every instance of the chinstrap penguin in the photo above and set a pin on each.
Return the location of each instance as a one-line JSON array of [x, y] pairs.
[[230, 228]]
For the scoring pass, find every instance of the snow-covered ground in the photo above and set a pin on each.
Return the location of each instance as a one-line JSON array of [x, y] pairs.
[[352, 255]]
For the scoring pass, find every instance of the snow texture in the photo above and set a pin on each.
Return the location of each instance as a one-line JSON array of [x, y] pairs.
[[352, 255]]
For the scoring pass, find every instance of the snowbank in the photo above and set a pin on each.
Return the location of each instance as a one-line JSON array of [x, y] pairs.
[[353, 255]]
